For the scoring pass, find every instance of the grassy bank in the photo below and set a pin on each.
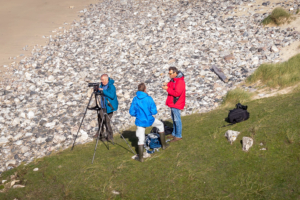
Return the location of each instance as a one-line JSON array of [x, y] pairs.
[[236, 95], [278, 75], [201, 166]]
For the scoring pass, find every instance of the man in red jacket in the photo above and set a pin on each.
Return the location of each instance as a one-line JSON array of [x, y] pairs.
[[175, 100]]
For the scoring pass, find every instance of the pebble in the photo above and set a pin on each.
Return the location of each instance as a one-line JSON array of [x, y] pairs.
[[132, 41], [3, 140], [18, 186], [11, 162], [36, 169]]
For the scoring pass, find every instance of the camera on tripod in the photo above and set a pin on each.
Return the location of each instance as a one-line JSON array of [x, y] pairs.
[[96, 88], [100, 111]]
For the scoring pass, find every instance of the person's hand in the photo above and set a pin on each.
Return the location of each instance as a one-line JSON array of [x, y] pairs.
[[165, 87], [100, 88], [165, 84]]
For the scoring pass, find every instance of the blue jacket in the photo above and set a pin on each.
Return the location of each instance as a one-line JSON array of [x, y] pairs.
[[111, 96], [143, 107]]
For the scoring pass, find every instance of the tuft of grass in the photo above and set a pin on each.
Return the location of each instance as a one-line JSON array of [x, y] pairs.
[[279, 74], [278, 16], [290, 136], [235, 96]]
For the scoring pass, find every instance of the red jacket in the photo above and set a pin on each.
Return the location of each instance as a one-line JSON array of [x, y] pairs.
[[176, 88]]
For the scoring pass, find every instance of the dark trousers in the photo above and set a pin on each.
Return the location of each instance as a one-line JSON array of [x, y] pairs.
[[106, 123]]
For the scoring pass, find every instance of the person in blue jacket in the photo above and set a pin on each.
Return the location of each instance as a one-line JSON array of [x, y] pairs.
[[143, 108], [109, 103]]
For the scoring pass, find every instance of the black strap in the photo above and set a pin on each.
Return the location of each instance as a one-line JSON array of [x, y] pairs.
[[227, 125]]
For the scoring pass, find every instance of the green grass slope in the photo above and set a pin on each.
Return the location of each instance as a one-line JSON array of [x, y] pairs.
[[201, 166]]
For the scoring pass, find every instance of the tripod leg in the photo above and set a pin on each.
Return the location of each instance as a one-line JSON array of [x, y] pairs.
[[122, 137], [99, 131], [126, 142], [95, 150], [82, 121]]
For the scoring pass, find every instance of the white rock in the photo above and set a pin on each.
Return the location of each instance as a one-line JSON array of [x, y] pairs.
[[24, 149], [32, 88], [36, 169], [3, 140], [58, 138], [17, 101], [247, 143], [30, 115], [28, 134], [18, 186], [119, 93], [50, 78], [18, 136], [22, 114], [27, 75], [231, 135], [50, 125], [11, 162], [40, 140], [3, 181], [84, 136], [19, 142], [126, 95], [115, 192], [123, 2], [274, 49], [27, 154], [16, 121]]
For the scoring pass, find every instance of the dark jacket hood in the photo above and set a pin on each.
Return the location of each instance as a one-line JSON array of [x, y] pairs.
[[180, 74]]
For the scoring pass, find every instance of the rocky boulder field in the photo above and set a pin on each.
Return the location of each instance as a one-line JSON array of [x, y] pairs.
[[43, 103]]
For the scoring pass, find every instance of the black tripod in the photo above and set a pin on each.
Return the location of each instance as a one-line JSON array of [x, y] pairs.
[[100, 111]]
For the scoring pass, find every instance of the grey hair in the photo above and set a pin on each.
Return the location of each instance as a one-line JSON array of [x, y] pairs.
[[104, 75]]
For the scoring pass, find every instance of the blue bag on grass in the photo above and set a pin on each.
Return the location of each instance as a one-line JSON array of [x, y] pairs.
[[152, 142]]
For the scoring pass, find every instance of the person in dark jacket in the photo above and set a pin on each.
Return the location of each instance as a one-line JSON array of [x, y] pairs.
[[109, 103], [143, 108], [175, 100]]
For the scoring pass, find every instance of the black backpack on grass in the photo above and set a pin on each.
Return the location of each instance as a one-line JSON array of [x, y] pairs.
[[238, 114]]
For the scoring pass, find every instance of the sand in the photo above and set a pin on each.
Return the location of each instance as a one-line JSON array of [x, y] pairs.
[[25, 22]]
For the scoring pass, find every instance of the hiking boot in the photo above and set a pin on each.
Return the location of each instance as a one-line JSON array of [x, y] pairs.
[[141, 153], [176, 139], [164, 145], [170, 136]]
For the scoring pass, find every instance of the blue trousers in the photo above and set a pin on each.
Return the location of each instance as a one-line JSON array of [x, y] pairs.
[[177, 125]]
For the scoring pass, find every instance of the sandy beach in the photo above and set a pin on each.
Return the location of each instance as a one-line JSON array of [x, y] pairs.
[[25, 23]]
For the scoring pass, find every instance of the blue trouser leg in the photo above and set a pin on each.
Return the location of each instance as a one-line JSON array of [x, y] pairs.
[[174, 123], [177, 125]]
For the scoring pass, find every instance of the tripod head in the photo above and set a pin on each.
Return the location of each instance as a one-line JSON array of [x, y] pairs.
[[98, 93]]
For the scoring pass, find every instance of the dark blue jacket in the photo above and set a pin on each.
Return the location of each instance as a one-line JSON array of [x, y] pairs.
[[143, 107], [111, 96]]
